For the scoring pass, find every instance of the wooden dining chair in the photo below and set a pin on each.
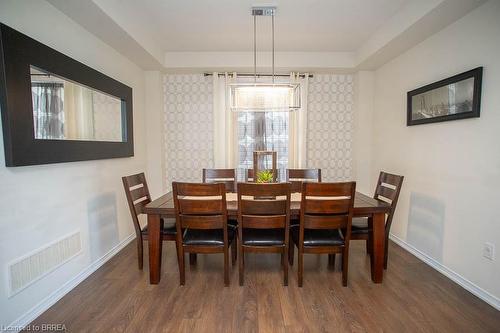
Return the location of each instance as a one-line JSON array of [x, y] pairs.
[[225, 176], [263, 221], [297, 176], [387, 189], [137, 193], [325, 223], [201, 211]]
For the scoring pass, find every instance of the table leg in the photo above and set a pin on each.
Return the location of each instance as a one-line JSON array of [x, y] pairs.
[[378, 243], [155, 248]]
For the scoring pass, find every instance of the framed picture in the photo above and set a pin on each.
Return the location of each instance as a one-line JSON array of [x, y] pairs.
[[456, 97]]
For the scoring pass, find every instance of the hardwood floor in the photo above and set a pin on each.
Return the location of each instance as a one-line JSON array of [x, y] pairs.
[[413, 297]]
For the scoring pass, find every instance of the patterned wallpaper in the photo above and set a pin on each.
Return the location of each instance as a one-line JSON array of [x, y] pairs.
[[189, 128], [107, 117], [330, 125]]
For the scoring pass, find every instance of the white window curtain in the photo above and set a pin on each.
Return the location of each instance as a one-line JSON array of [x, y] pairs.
[[224, 120], [297, 150]]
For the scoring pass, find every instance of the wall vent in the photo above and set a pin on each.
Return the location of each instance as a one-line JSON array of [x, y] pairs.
[[31, 267]]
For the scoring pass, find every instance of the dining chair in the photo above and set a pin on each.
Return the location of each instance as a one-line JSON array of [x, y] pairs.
[[137, 193], [263, 221], [225, 176], [297, 176], [387, 189], [249, 175], [201, 211], [325, 223]]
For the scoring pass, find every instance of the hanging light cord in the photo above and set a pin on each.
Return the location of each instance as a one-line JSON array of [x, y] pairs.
[[255, 49], [272, 20]]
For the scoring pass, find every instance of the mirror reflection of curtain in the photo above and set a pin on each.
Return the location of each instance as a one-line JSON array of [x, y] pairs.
[[78, 110], [48, 115]]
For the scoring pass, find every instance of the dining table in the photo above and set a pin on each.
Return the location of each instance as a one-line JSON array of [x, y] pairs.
[[364, 206]]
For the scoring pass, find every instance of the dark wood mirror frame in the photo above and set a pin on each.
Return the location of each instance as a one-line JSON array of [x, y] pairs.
[[17, 53]]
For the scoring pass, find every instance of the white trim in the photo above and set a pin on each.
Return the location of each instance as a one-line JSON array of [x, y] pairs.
[[51, 299], [452, 275]]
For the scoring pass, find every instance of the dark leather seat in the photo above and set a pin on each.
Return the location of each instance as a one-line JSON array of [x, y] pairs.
[[319, 237], [263, 237], [168, 227], [207, 237], [360, 225]]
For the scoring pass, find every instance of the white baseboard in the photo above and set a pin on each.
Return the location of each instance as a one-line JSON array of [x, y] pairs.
[[455, 277], [50, 300]]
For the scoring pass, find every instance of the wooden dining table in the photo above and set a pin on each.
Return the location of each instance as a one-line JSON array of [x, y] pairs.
[[364, 206]]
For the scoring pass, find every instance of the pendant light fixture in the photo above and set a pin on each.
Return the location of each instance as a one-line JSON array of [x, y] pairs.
[[262, 96]]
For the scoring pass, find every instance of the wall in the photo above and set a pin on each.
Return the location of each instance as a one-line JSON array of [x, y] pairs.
[[39, 204], [452, 169], [189, 126], [330, 120]]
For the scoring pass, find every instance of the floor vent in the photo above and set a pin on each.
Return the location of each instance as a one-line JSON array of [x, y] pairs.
[[33, 266]]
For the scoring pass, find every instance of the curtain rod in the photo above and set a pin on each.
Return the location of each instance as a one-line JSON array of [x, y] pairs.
[[258, 75]]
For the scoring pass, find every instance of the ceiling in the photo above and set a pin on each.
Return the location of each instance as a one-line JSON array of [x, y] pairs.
[[311, 35], [301, 25]]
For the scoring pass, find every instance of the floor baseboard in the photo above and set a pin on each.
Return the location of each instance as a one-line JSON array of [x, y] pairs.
[[50, 300], [452, 275]]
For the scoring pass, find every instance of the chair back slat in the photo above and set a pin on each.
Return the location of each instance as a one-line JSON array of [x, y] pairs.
[[385, 192], [297, 176], [202, 222], [332, 190], [200, 206], [389, 178], [325, 222], [264, 221], [134, 180], [195, 206], [225, 176], [264, 205], [137, 193], [327, 206], [198, 189]]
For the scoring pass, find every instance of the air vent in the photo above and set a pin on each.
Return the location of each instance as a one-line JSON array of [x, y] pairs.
[[32, 267]]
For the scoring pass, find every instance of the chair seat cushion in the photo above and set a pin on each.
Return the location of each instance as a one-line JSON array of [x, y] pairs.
[[263, 237], [360, 225], [168, 227], [207, 237], [319, 237]]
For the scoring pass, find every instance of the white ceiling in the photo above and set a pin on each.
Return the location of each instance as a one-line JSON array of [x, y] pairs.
[[311, 35], [301, 25]]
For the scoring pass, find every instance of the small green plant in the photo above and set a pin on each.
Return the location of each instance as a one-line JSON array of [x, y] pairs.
[[265, 176]]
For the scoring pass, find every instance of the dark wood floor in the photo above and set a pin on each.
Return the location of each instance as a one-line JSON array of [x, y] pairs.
[[413, 297]]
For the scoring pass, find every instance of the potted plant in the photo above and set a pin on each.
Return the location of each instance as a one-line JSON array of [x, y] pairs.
[[265, 176]]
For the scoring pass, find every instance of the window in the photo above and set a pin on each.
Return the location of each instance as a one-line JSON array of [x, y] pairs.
[[262, 131]]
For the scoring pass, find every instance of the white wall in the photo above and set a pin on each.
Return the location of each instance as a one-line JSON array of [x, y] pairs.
[[448, 205], [39, 204]]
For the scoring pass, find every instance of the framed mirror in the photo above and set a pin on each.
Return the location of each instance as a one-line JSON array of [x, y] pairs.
[[56, 109]]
